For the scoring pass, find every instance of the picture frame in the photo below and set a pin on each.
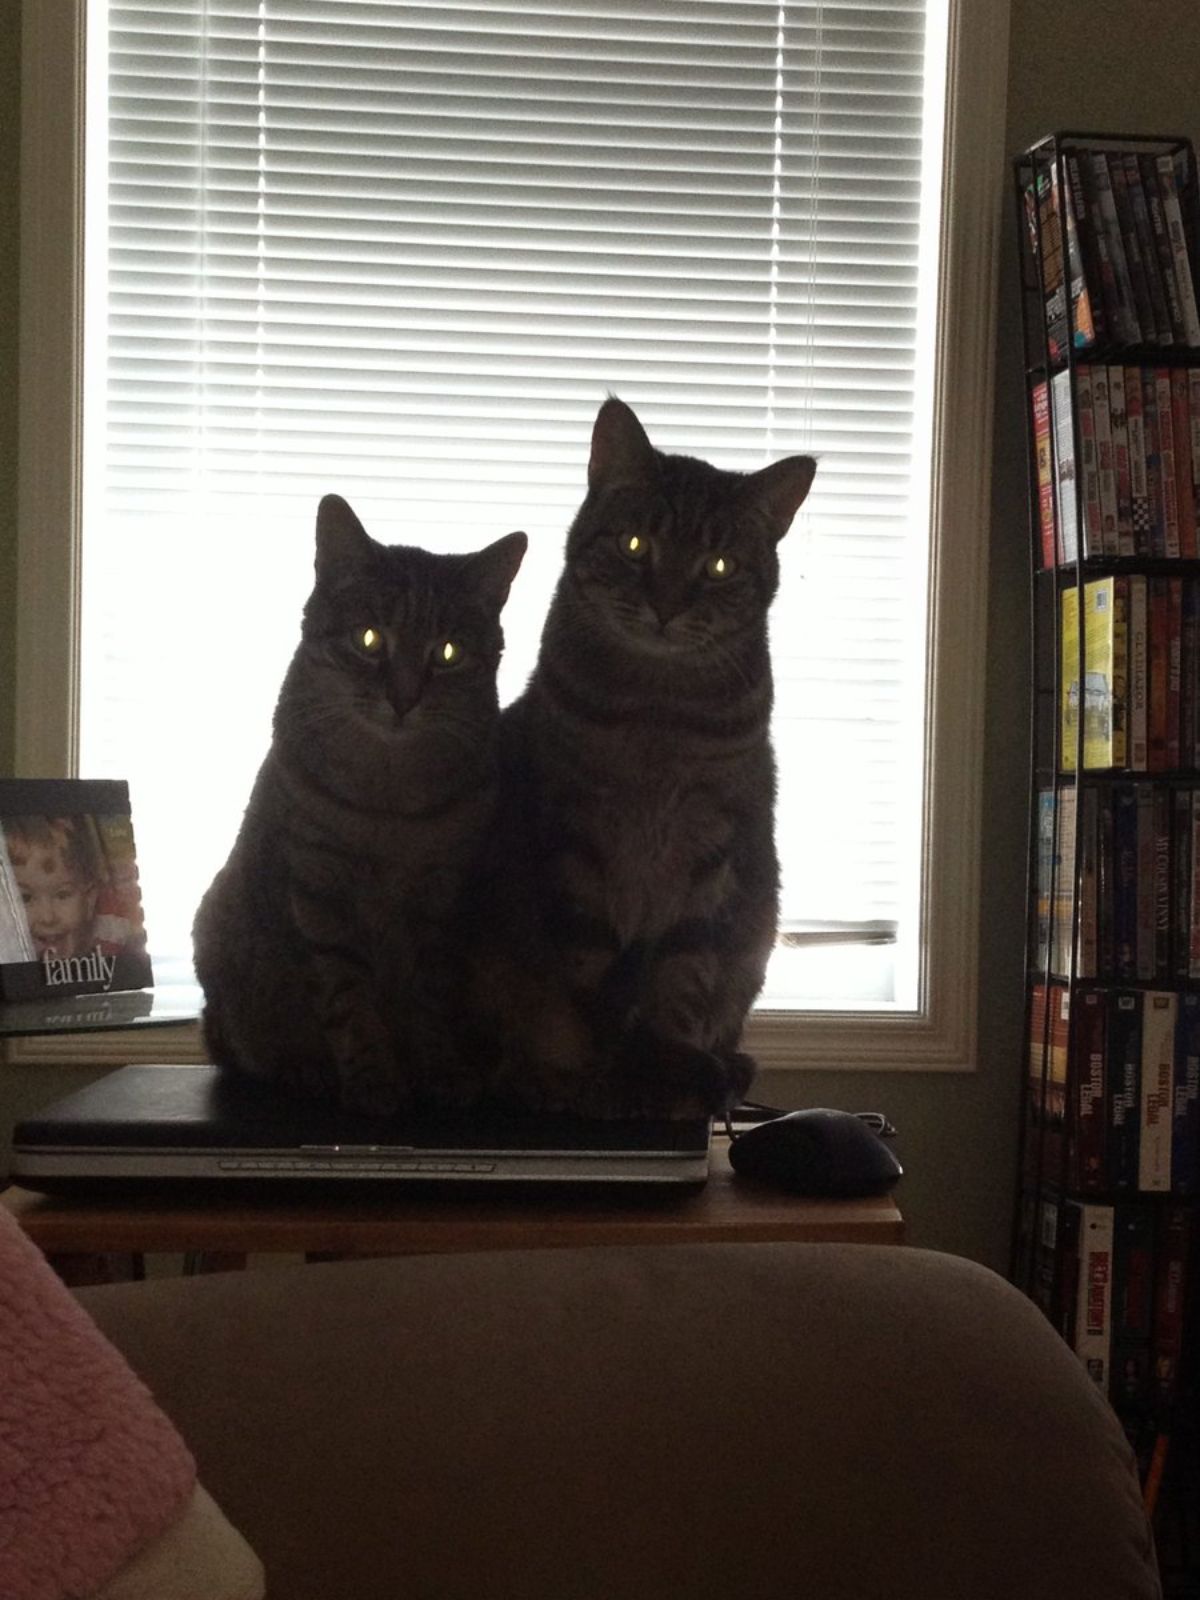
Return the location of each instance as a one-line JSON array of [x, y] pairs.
[[71, 915]]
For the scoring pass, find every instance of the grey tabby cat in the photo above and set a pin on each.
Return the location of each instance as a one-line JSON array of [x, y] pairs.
[[323, 944], [629, 901]]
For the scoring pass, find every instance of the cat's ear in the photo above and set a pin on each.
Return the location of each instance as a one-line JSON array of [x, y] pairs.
[[780, 490], [341, 538], [493, 570], [621, 452]]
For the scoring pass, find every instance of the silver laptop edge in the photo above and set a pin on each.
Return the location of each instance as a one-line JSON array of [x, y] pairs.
[[544, 1165]]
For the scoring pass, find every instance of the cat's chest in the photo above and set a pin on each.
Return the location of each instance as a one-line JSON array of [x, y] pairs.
[[368, 852], [391, 880], [657, 825], [384, 875], [654, 854]]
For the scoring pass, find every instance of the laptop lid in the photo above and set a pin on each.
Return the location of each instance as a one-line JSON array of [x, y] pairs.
[[197, 1123]]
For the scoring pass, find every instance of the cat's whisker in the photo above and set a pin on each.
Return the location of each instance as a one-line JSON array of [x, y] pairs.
[[319, 717], [471, 746], [475, 724], [711, 647]]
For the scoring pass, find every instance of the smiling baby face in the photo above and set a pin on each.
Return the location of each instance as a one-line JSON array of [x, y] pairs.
[[57, 889]]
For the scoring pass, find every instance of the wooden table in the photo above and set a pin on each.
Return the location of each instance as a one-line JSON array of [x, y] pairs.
[[725, 1209]]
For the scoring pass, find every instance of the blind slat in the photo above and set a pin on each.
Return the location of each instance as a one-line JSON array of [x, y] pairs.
[[403, 252]]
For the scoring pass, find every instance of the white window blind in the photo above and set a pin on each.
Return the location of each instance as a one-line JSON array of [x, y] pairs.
[[403, 252]]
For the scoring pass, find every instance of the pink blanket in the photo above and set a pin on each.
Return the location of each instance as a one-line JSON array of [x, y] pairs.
[[90, 1469]]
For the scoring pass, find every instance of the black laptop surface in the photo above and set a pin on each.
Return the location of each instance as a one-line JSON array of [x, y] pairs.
[[193, 1124]]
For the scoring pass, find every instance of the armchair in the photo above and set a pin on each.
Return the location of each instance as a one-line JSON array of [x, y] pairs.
[[841, 1422]]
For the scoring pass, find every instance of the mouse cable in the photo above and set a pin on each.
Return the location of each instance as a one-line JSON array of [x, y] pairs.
[[749, 1113]]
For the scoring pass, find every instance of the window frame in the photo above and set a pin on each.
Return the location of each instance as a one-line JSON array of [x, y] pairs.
[[940, 1034]]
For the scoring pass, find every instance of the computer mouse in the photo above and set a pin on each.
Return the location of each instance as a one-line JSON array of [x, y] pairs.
[[816, 1152]]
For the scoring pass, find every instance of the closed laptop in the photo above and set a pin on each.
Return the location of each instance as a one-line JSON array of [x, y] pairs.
[[164, 1124]]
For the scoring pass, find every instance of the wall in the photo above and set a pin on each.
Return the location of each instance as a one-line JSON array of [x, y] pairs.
[[10, 148], [1086, 64]]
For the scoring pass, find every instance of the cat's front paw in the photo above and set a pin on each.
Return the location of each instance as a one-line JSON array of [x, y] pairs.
[[721, 1084], [669, 1077]]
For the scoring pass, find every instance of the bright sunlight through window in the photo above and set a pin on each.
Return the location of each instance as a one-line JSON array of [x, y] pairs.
[[403, 252]]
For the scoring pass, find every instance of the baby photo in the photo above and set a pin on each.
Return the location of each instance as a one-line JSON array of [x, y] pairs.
[[70, 904], [59, 868]]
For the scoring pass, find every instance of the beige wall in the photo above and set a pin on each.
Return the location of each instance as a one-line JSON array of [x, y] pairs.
[[1086, 64], [10, 145]]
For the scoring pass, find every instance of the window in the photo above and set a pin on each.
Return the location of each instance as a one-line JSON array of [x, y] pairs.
[[403, 251]]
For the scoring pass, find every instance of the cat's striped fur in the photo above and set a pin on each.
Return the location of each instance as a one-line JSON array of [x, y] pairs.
[[629, 901], [324, 944]]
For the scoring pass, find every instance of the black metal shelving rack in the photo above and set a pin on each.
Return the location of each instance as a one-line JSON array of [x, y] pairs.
[[1168, 1440]]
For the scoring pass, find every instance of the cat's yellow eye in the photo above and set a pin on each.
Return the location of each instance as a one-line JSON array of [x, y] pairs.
[[719, 567], [448, 653], [633, 545], [369, 640]]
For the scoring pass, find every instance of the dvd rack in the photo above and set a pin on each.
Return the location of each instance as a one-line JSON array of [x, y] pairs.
[[1107, 1222]]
